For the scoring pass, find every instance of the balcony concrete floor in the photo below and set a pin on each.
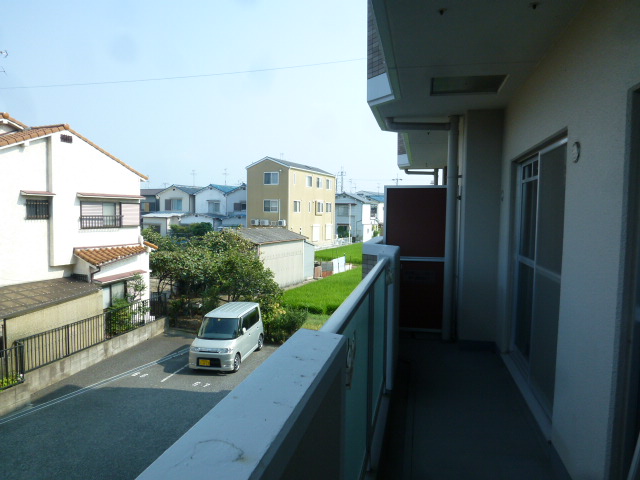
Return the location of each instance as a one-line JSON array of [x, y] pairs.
[[457, 414]]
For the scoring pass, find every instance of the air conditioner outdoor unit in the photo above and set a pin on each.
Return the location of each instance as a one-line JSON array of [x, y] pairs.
[[264, 223], [282, 223], [255, 222]]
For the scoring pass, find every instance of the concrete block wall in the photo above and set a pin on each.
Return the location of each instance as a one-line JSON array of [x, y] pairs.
[[19, 396]]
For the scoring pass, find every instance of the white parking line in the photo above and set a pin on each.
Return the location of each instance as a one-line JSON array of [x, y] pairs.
[[90, 387], [165, 379]]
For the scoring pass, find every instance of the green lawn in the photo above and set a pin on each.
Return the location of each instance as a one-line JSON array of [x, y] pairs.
[[353, 253], [315, 321], [322, 297]]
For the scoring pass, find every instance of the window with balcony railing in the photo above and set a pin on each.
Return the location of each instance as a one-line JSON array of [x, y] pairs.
[[109, 215]]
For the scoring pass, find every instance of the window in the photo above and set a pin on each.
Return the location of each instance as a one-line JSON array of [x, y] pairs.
[[271, 178], [342, 210], [318, 182], [108, 215], [329, 207], [309, 181], [173, 204], [240, 206], [319, 207], [113, 292], [296, 206], [38, 209], [328, 231], [250, 319], [374, 211], [271, 205], [294, 178], [213, 206], [329, 184], [309, 207]]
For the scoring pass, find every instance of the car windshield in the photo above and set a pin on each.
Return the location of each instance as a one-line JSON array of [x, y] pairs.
[[214, 328]]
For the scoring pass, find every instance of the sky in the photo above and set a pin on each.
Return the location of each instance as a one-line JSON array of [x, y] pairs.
[[193, 92]]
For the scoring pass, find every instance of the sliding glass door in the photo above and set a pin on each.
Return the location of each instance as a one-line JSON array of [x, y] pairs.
[[538, 267]]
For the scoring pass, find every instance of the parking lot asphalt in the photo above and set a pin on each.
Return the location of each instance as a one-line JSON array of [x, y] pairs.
[[115, 418]]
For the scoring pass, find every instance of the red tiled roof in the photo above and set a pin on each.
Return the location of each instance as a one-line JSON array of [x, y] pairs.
[[35, 132], [29, 134], [151, 245], [102, 255], [13, 120]]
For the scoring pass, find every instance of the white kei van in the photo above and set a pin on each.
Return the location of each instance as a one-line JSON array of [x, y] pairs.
[[227, 336]]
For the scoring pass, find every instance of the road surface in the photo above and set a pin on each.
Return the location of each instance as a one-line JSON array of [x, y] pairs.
[[114, 419]]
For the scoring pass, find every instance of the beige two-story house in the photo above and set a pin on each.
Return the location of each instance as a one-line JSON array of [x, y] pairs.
[[298, 197]]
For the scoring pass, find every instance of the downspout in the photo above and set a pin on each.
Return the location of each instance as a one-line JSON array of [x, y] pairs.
[[448, 310]]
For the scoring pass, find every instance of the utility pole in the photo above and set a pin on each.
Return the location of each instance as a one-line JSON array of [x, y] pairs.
[[397, 179], [341, 174], [225, 176], [193, 174]]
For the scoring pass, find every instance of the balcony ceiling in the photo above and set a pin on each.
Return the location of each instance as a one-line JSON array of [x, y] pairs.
[[458, 38]]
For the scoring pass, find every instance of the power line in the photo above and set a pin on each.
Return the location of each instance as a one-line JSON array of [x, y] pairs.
[[183, 77]]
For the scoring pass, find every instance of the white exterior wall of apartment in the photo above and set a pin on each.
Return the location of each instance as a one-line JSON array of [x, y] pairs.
[[65, 169], [203, 197], [480, 185], [583, 86], [176, 193], [285, 260]]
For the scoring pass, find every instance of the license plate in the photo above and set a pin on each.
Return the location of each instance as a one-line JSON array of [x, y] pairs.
[[204, 362]]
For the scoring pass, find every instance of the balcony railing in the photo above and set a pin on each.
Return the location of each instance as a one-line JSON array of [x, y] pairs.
[[315, 409], [101, 221]]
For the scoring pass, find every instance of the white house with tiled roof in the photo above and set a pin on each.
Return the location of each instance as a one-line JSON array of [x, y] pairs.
[[69, 209], [220, 205]]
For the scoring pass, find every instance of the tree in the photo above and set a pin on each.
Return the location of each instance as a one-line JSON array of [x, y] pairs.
[[222, 264]]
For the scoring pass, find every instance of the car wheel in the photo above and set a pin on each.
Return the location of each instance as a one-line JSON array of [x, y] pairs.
[[236, 363], [260, 342]]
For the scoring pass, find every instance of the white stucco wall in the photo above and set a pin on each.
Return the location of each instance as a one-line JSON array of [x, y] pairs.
[[582, 86], [137, 262], [23, 169], [79, 167], [203, 197], [172, 193], [237, 196]]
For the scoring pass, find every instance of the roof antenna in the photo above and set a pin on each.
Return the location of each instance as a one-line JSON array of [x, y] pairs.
[[193, 174], [225, 176]]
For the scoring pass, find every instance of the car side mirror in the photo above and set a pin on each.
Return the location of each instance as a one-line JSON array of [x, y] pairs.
[[244, 330]]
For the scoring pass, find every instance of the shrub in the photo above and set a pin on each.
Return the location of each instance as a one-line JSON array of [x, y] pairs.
[[279, 328], [10, 381], [119, 317]]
